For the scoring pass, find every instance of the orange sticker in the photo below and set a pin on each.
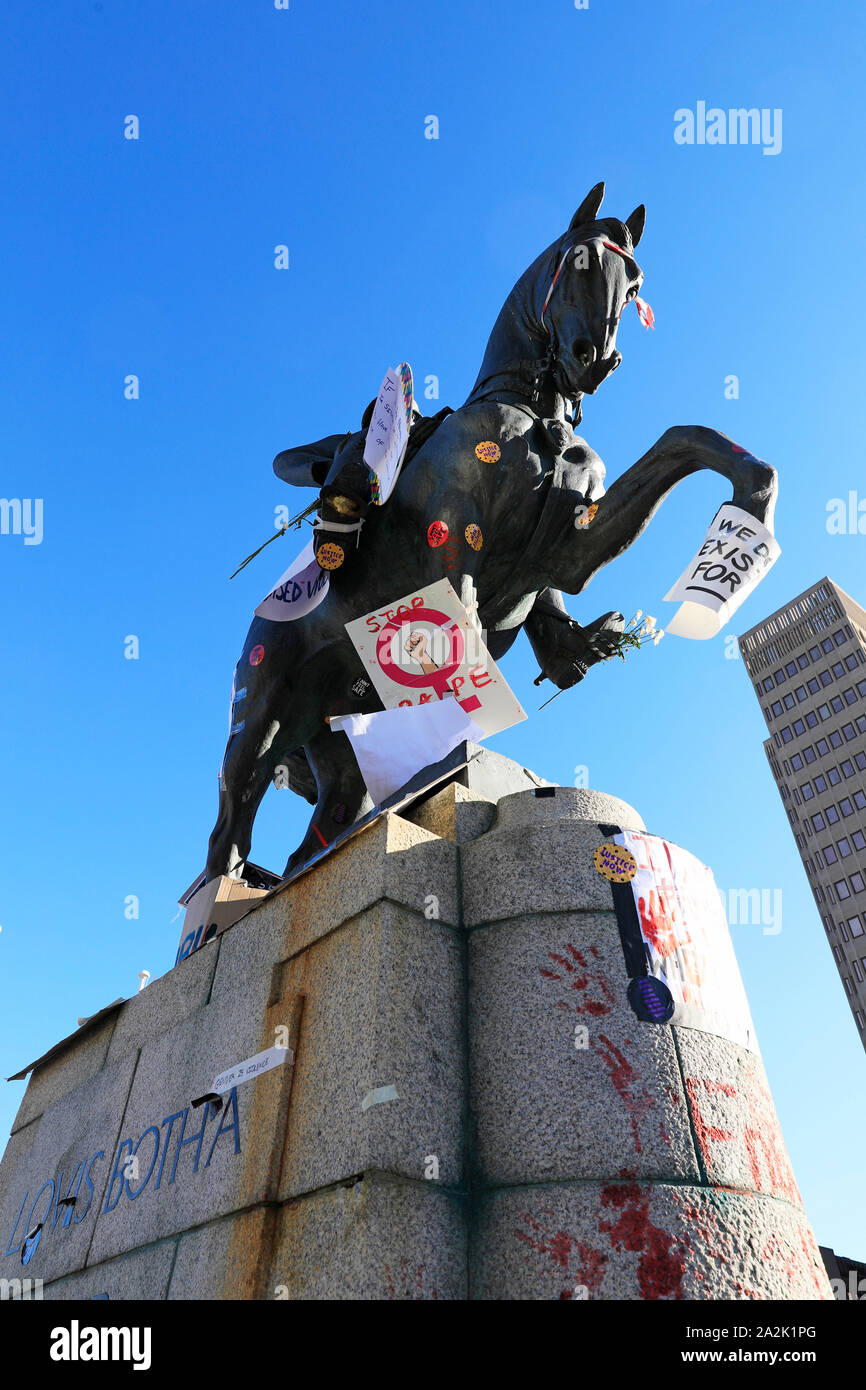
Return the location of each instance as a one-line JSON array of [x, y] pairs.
[[330, 555], [474, 536], [487, 451], [256, 655], [615, 863], [583, 515]]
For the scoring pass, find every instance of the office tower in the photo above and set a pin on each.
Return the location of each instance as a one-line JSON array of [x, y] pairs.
[[807, 663]]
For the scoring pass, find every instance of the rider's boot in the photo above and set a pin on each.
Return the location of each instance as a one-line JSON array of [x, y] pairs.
[[563, 649]]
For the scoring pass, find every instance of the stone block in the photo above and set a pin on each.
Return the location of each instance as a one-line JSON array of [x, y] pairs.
[[383, 1007], [455, 813], [648, 1241], [226, 1260], [70, 1154], [538, 857], [377, 1238], [165, 1002], [141, 1276], [565, 1081], [82, 1058], [733, 1116]]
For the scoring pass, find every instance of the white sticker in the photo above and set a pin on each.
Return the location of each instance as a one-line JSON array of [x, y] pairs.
[[379, 1096], [388, 431], [251, 1068], [425, 647], [737, 553]]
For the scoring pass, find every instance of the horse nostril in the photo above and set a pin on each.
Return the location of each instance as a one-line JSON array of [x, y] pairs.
[[584, 352]]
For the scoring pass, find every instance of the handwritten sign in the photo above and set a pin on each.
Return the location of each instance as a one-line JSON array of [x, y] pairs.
[[251, 1068], [737, 553], [388, 431], [426, 647], [298, 592]]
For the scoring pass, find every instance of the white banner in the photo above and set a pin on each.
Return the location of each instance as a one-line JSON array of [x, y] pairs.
[[299, 591], [251, 1068], [686, 937], [388, 431], [393, 744], [729, 566], [425, 646]]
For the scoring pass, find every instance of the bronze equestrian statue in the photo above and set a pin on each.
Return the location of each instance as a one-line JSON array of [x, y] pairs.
[[507, 462]]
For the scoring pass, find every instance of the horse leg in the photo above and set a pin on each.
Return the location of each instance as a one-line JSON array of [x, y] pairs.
[[343, 795], [248, 770]]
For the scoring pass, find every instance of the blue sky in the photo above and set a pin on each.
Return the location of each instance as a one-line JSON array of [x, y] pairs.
[[155, 257]]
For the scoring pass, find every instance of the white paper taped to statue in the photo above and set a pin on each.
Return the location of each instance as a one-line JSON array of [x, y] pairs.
[[392, 745], [298, 591], [737, 553]]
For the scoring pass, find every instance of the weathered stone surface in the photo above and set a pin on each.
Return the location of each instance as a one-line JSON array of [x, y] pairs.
[[542, 865], [377, 1238], [82, 1126], [226, 1260], [635, 1240], [142, 1275], [455, 813], [166, 1001], [565, 1081], [392, 859], [383, 1006], [734, 1118], [224, 1170], [80, 1060]]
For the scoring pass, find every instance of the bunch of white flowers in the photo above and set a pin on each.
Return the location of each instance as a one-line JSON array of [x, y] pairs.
[[638, 631]]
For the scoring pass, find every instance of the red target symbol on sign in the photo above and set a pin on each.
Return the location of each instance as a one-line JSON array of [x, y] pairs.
[[399, 673]]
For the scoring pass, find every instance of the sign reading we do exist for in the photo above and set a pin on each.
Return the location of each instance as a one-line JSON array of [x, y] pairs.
[[425, 647], [735, 556]]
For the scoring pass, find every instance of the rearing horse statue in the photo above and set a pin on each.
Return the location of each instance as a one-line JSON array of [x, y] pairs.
[[554, 341]]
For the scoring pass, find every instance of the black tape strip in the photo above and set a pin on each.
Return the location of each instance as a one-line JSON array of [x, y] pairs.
[[633, 949]]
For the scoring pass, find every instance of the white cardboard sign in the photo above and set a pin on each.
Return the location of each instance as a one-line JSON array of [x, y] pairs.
[[298, 591], [388, 431], [424, 647], [736, 554], [251, 1068]]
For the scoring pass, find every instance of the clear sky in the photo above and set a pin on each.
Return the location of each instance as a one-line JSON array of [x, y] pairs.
[[155, 257]]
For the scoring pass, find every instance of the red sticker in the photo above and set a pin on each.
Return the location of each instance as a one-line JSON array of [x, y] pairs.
[[437, 533], [256, 655]]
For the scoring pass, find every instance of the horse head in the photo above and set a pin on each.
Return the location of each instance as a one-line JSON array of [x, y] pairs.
[[563, 314]]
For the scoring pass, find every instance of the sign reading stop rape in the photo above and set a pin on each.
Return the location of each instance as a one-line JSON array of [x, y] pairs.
[[425, 647]]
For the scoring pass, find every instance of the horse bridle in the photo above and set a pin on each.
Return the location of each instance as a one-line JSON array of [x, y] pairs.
[[544, 364]]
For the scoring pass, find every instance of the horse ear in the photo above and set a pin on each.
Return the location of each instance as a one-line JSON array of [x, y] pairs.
[[635, 223], [589, 208]]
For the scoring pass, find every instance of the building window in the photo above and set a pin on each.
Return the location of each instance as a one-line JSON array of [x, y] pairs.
[[860, 760], [856, 881], [837, 952], [849, 988], [787, 735], [827, 645], [860, 801], [803, 661], [819, 859], [861, 723], [822, 747], [835, 739], [839, 637], [801, 843], [767, 686], [800, 693], [861, 688], [799, 727], [789, 701], [858, 973], [813, 686], [778, 677], [833, 776], [858, 839], [850, 695], [849, 731], [843, 846], [809, 754], [847, 768], [842, 931], [824, 711], [845, 807], [791, 669], [826, 678], [842, 889], [855, 926], [832, 814], [811, 719], [808, 829], [859, 1018], [820, 783], [818, 822], [796, 762], [851, 661], [837, 704], [838, 670], [815, 653], [830, 855]]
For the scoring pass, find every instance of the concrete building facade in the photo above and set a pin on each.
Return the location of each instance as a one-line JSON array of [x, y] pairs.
[[807, 664]]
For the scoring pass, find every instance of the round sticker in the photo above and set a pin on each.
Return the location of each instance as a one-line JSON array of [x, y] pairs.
[[487, 451], [474, 536], [615, 863], [256, 655], [330, 555], [583, 515], [437, 533]]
